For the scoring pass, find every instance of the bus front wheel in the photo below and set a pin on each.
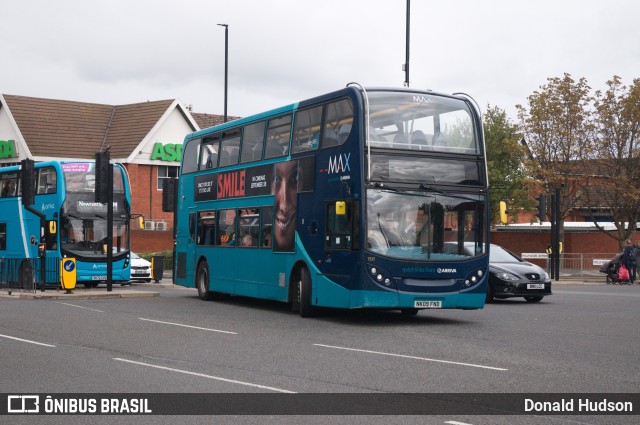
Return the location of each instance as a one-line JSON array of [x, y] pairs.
[[202, 281]]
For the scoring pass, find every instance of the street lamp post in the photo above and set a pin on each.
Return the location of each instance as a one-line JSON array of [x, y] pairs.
[[226, 66], [406, 64]]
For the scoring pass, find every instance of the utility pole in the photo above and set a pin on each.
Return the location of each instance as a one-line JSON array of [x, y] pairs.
[[405, 67], [226, 66]]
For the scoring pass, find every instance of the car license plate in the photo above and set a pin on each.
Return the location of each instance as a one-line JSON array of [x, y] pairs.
[[427, 304], [535, 285], [138, 272]]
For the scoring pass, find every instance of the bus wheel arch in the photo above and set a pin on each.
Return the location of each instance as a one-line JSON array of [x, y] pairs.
[[300, 290]]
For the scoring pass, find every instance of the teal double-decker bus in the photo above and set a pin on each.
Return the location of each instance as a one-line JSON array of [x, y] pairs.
[[75, 224], [359, 198]]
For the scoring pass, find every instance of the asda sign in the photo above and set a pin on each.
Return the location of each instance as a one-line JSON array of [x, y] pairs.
[[167, 151], [7, 149]]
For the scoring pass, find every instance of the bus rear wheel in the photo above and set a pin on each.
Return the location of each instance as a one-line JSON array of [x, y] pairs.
[[202, 281], [304, 294]]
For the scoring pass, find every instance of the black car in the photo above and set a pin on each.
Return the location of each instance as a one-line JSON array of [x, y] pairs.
[[511, 276]]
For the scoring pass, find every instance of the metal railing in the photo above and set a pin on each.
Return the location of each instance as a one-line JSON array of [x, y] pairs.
[[25, 274], [581, 264]]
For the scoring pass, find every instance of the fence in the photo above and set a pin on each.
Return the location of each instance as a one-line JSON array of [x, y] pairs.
[[573, 264], [25, 274]]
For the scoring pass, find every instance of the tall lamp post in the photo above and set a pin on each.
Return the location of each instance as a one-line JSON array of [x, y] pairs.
[[226, 65], [405, 67]]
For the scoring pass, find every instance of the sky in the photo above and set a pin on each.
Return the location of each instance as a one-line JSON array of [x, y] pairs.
[[282, 51]]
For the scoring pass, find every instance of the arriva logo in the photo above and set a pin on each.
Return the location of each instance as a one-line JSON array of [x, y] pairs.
[[339, 163], [47, 207], [447, 271], [99, 266]]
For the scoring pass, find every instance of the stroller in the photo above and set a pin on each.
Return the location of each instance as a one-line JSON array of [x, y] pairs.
[[611, 268]]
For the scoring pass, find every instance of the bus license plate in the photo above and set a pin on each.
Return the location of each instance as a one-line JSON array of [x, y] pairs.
[[98, 278], [535, 285], [427, 304]]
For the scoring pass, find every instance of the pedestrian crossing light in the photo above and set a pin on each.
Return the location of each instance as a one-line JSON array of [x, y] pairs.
[[504, 219]]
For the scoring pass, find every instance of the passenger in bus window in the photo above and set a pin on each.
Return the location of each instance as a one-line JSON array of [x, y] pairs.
[[247, 240], [266, 237], [285, 189]]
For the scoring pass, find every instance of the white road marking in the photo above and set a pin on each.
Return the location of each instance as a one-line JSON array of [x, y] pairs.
[[188, 326], [412, 357], [456, 423], [26, 340], [79, 306], [202, 375]]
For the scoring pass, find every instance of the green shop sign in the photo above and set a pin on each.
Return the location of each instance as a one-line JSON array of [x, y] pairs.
[[167, 152], [7, 149]]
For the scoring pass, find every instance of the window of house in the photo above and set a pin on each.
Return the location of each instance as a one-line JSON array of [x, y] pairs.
[[166, 172]]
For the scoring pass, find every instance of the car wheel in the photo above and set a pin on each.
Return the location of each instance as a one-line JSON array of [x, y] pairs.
[[202, 281], [148, 280], [533, 299]]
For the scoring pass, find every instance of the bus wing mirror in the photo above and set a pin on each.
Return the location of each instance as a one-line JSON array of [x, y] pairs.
[[341, 207]]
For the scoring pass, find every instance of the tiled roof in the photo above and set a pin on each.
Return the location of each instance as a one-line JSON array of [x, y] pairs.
[[209, 120], [62, 128]]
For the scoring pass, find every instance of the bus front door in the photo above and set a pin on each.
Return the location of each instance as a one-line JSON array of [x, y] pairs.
[[191, 248]]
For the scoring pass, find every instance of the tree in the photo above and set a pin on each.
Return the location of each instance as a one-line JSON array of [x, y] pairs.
[[558, 131], [615, 184], [505, 159]]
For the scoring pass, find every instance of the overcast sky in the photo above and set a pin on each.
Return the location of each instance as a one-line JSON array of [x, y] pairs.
[[281, 51]]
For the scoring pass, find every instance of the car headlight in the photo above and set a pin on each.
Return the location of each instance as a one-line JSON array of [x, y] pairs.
[[545, 276], [508, 277]]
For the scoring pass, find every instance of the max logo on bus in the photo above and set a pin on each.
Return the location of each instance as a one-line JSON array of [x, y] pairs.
[[339, 163]]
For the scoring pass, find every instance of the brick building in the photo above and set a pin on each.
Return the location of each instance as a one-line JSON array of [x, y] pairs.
[[145, 137]]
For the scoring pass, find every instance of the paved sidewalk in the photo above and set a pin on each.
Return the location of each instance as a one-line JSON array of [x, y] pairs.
[[132, 290]]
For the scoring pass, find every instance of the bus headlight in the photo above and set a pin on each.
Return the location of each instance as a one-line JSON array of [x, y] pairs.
[[379, 275], [473, 277]]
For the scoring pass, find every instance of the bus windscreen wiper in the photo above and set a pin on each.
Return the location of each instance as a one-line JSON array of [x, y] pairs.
[[386, 187], [426, 187]]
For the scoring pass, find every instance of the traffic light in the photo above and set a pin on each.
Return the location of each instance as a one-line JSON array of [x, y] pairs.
[[102, 177], [169, 190], [141, 222], [27, 175], [541, 208], [504, 219]]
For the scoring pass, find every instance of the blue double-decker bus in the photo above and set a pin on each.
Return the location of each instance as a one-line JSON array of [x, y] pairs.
[[76, 225], [360, 198]]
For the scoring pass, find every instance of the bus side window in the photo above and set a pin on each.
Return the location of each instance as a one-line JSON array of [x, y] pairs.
[[338, 123], [230, 147], [278, 136], [266, 222], [191, 156], [306, 130], [3, 236], [252, 142], [209, 154]]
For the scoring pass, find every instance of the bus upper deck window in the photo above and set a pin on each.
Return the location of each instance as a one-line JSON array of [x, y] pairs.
[[338, 123]]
